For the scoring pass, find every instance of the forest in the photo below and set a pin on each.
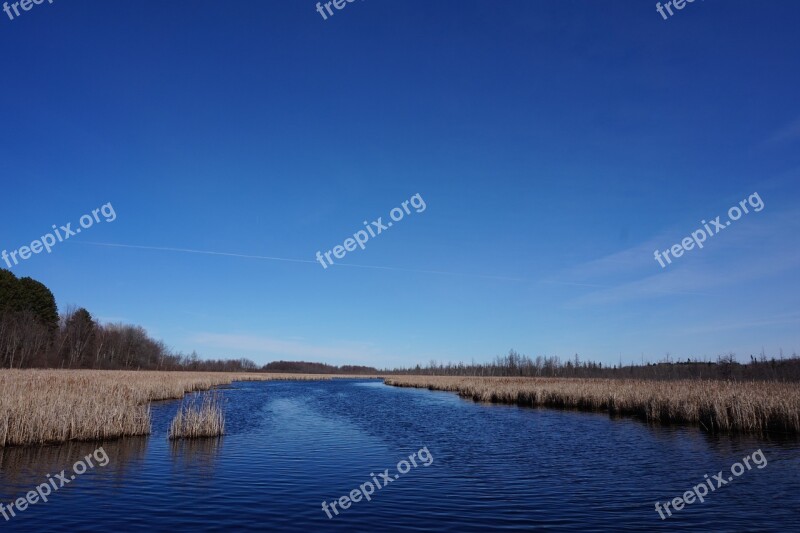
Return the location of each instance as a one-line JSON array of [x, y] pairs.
[[34, 335]]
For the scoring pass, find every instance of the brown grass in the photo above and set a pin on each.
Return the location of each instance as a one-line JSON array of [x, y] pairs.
[[51, 406], [717, 406], [199, 418]]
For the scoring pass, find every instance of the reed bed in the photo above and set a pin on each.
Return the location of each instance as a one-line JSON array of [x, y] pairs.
[[52, 406], [716, 406], [199, 418]]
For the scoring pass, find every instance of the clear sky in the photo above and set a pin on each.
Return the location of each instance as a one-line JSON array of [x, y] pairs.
[[556, 144]]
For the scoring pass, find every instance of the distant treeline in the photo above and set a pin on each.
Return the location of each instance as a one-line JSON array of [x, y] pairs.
[[517, 365], [302, 367], [34, 335]]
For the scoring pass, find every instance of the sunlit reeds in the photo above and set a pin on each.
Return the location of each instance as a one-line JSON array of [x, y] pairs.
[[50, 406], [199, 418], [717, 406]]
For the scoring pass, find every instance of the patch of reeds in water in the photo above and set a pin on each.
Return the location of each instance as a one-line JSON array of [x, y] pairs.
[[199, 418], [716, 406], [51, 406]]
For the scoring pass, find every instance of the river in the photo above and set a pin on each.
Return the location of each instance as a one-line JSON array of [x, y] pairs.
[[290, 446]]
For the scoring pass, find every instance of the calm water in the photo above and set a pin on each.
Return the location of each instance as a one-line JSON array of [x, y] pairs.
[[291, 445]]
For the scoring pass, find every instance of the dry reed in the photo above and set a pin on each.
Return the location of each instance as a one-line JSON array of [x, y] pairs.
[[717, 406], [51, 406], [198, 418]]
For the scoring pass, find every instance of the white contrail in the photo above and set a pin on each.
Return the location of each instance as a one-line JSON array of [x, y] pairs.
[[375, 267], [286, 259], [187, 250]]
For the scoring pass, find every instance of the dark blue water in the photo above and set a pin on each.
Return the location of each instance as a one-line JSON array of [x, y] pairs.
[[292, 445]]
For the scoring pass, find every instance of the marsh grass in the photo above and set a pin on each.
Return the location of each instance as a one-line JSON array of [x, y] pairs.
[[716, 406], [51, 406], [199, 418]]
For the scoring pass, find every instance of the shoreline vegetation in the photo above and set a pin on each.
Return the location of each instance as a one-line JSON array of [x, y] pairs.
[[199, 418], [754, 407], [40, 407]]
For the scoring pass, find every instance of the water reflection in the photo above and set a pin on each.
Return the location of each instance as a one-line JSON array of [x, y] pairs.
[[197, 455], [24, 466]]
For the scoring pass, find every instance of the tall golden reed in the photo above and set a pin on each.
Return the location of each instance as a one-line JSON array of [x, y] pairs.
[[717, 406], [198, 418], [51, 406]]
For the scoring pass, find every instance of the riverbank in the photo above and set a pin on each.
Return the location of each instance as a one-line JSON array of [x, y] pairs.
[[716, 406], [52, 406]]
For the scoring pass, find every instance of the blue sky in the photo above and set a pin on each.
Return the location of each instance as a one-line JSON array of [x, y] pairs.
[[556, 145]]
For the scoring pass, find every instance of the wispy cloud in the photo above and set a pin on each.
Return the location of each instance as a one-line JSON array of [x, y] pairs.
[[761, 246], [620, 263], [787, 133], [786, 318]]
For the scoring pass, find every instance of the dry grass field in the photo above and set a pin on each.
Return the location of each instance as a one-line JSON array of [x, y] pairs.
[[717, 406], [50, 406]]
